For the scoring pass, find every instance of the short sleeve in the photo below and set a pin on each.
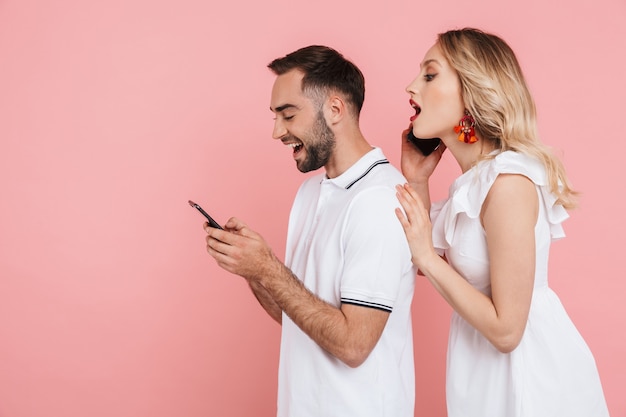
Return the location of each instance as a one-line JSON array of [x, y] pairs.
[[468, 193], [377, 256]]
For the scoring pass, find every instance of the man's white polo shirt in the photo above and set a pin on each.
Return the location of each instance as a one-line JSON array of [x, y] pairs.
[[346, 245]]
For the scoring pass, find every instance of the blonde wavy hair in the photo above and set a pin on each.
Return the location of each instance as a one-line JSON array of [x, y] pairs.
[[496, 95]]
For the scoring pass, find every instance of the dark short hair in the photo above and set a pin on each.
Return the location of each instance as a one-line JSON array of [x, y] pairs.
[[326, 70]]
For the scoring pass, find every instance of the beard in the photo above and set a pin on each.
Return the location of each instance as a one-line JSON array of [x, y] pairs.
[[320, 147]]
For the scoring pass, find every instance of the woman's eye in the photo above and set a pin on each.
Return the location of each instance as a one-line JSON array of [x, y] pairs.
[[429, 77], [287, 117]]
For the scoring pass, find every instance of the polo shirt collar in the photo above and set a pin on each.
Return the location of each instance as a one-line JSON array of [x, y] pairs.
[[359, 169]]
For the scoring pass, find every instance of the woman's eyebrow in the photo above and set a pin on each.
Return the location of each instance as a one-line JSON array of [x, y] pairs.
[[429, 61]]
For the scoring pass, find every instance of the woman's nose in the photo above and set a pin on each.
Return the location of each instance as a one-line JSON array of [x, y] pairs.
[[412, 87]]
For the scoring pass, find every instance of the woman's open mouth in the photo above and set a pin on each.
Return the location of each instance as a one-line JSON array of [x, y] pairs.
[[417, 108]]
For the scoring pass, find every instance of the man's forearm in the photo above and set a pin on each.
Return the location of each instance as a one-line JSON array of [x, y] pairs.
[[350, 341], [266, 301]]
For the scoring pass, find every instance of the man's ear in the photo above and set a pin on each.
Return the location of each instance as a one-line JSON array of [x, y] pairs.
[[336, 109]]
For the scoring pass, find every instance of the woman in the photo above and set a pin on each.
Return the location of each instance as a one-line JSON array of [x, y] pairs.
[[512, 349]]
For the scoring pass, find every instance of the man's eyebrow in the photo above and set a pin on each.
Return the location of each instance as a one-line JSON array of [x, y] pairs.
[[283, 107]]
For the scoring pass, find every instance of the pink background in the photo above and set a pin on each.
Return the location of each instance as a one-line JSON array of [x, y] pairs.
[[114, 113]]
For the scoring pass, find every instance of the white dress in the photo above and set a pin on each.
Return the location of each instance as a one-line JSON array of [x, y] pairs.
[[552, 372]]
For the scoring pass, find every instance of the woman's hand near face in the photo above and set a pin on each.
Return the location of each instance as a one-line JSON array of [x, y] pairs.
[[416, 167]]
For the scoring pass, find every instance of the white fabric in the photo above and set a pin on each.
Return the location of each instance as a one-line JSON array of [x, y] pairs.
[[552, 372], [347, 246]]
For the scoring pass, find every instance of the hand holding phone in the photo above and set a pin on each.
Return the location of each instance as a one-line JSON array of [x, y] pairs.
[[212, 222], [425, 146]]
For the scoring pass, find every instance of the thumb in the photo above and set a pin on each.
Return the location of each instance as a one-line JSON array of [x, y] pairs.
[[237, 226]]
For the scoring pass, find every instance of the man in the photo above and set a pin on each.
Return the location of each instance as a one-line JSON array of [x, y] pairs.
[[343, 295]]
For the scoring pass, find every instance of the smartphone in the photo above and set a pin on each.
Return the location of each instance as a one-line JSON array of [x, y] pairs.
[[425, 146], [212, 222]]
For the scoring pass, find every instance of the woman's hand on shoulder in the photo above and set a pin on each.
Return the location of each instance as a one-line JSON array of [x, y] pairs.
[[416, 223]]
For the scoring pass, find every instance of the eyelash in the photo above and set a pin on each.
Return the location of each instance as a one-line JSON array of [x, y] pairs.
[[284, 118], [429, 77]]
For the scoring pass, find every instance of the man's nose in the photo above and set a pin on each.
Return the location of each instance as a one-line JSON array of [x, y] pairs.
[[279, 129]]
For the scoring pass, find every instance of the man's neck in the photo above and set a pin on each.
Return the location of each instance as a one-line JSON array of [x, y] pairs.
[[348, 150]]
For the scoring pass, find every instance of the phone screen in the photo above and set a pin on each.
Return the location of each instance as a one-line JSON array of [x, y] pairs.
[[212, 222]]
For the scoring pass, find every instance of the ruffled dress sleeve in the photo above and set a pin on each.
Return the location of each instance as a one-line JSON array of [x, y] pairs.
[[468, 192]]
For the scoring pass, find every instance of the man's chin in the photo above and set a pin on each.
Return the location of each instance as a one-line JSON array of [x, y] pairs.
[[304, 167]]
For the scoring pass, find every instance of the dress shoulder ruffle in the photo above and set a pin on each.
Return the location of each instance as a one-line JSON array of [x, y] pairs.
[[468, 192]]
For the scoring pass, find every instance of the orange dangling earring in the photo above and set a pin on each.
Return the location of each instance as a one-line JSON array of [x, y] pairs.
[[465, 128]]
